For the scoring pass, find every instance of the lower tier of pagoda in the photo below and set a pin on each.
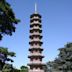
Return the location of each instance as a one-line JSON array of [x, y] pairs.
[[36, 64]]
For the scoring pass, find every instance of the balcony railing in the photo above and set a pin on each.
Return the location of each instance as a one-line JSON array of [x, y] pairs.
[[35, 62], [35, 46], [35, 33], [35, 17], [35, 28], [35, 54], [34, 40], [35, 22]]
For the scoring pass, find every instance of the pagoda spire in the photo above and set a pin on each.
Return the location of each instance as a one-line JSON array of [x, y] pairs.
[[35, 7]]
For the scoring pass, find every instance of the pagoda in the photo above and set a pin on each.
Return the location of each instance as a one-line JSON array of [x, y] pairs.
[[35, 49]]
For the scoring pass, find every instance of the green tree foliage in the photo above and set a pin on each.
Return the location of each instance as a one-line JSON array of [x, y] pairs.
[[4, 56], [64, 60], [8, 23], [23, 69], [15, 70], [7, 68], [51, 67], [7, 19], [45, 68]]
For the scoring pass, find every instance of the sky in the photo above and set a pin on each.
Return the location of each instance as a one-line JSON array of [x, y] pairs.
[[56, 26]]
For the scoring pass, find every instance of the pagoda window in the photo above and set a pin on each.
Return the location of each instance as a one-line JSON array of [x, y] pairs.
[[40, 59], [31, 59], [40, 51], [31, 51], [41, 68], [32, 44], [36, 67], [31, 68], [36, 58], [32, 37], [36, 50], [35, 43]]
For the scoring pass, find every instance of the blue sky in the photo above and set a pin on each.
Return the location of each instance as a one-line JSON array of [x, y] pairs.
[[56, 26]]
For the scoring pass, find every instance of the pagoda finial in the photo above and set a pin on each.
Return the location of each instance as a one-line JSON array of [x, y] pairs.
[[35, 8]]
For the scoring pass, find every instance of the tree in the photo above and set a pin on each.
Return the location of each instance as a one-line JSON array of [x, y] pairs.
[[15, 70], [7, 68], [23, 69], [63, 62], [4, 56], [51, 67], [8, 23], [46, 68], [7, 19]]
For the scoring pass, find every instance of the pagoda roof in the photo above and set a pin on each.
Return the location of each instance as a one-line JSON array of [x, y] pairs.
[[35, 42], [31, 49], [35, 30], [35, 15], [36, 25], [35, 56], [36, 64], [31, 36], [35, 20]]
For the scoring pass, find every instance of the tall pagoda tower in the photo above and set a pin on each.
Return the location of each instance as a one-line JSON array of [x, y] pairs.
[[35, 49]]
